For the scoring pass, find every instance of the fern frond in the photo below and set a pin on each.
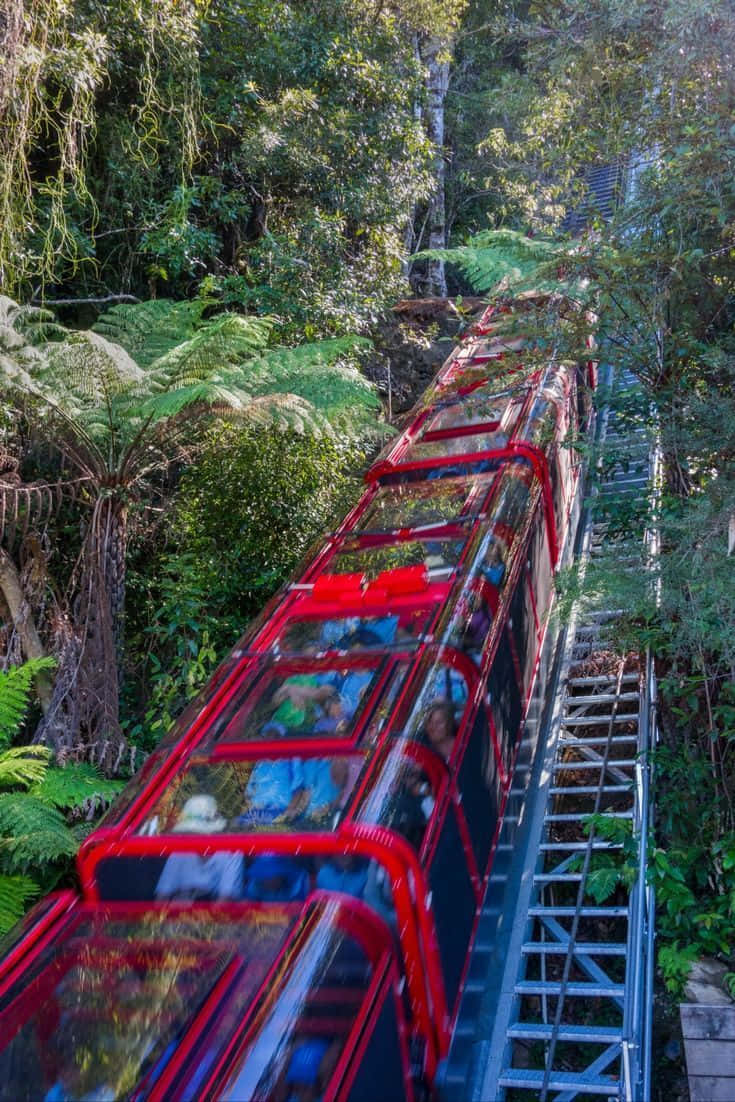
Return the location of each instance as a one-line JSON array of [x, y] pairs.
[[32, 834], [16, 892], [226, 339], [75, 785], [496, 261], [15, 691], [24, 766], [148, 330]]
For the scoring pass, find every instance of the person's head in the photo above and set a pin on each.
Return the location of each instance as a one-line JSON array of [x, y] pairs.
[[439, 724], [333, 707], [200, 815]]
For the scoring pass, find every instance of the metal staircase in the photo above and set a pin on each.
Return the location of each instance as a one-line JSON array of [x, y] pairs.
[[558, 1004]]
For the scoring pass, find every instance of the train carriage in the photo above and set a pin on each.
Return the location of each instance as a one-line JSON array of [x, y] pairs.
[[360, 743]]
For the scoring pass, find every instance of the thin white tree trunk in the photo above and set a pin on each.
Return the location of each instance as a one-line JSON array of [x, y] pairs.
[[436, 56]]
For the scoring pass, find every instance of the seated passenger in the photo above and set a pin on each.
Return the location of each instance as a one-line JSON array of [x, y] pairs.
[[350, 685], [381, 630], [343, 873], [272, 878], [493, 568], [325, 782], [310, 1067], [189, 876], [296, 701], [412, 806], [276, 791], [439, 731], [334, 719]]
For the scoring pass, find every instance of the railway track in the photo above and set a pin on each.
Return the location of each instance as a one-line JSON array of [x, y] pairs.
[[559, 994]]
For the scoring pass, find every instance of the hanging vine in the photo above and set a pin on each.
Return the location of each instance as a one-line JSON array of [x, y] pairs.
[[58, 56]]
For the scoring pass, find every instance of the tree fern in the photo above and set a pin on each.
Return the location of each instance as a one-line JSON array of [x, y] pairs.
[[24, 766], [77, 785], [15, 691], [148, 330], [16, 892], [497, 261], [32, 834], [35, 841]]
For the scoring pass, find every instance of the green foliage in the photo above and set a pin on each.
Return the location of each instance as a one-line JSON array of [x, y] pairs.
[[36, 842], [77, 785], [498, 261], [242, 519], [15, 689]]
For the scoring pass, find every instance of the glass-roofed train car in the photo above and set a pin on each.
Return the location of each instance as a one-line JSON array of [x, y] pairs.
[[361, 742], [296, 1001]]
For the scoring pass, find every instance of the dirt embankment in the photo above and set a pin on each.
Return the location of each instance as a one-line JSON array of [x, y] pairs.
[[412, 343]]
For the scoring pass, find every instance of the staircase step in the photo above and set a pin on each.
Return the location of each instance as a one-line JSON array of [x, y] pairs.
[[522, 1079], [580, 989], [581, 948], [532, 1031]]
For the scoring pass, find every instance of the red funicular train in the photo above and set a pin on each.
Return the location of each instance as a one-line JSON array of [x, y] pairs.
[[281, 905]]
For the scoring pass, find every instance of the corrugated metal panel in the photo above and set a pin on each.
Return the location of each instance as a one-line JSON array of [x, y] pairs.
[[604, 187]]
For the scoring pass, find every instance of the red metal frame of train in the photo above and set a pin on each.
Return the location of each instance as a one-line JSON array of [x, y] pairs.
[[282, 904]]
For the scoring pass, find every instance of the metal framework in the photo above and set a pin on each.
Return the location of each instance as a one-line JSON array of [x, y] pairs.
[[560, 1004]]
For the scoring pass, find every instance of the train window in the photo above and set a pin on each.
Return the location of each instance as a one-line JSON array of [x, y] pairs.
[[457, 445], [226, 875], [109, 1003], [421, 504], [355, 633], [523, 628], [307, 1026], [480, 407], [275, 793], [542, 575], [308, 701], [470, 622], [510, 503], [540, 423], [401, 799], [504, 700], [440, 555], [479, 782], [453, 903], [435, 708], [380, 1074]]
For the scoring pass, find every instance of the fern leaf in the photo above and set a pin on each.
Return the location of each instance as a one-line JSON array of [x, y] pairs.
[[227, 339], [500, 260], [32, 834], [75, 785], [15, 690], [24, 766], [148, 330], [15, 894]]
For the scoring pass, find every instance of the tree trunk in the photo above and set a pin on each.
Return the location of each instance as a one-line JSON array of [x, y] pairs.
[[436, 55], [23, 622]]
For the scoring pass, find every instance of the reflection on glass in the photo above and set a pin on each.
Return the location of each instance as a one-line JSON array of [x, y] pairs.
[[440, 557], [111, 1000], [318, 702], [418, 504], [288, 793], [355, 633], [401, 798], [305, 1029], [476, 408], [457, 445]]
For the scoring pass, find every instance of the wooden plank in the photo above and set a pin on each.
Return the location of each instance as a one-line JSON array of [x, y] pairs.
[[711, 1058], [708, 1023], [711, 1088]]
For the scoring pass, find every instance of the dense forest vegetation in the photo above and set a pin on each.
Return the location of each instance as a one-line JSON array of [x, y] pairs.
[[207, 210]]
